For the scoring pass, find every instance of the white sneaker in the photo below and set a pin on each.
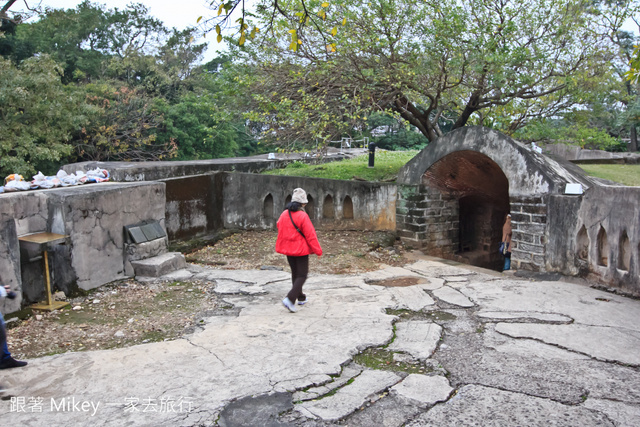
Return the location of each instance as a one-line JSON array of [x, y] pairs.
[[303, 302], [289, 305]]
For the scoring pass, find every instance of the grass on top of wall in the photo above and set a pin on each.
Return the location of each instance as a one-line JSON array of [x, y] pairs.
[[623, 174], [386, 167]]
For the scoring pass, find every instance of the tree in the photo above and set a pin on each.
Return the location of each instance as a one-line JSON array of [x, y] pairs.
[[122, 128], [438, 64], [70, 37], [616, 13], [85, 38], [38, 116]]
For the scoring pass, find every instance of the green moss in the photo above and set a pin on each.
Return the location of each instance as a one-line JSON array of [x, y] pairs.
[[379, 358]]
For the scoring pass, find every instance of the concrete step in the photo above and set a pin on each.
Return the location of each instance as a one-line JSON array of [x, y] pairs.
[[159, 265]]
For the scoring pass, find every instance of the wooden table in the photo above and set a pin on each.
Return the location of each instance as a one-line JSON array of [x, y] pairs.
[[42, 241]]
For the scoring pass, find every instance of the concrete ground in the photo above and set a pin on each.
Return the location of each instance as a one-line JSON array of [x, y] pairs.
[[469, 347]]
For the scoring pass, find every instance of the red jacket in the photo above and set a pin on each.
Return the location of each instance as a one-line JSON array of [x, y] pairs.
[[290, 242]]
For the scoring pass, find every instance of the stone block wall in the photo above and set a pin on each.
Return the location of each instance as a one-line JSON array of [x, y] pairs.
[[427, 219], [529, 225]]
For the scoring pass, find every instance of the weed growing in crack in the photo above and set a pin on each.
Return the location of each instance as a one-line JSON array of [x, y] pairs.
[[382, 359]]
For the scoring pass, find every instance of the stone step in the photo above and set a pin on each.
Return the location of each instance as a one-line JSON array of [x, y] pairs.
[[159, 265]]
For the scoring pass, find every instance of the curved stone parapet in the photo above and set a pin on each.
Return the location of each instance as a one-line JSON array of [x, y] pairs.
[[528, 172]]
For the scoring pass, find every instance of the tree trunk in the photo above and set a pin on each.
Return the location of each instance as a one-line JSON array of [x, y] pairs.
[[6, 7], [469, 109], [633, 139]]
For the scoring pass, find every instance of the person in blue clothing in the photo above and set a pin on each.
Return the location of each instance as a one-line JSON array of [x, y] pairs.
[[506, 241], [6, 361]]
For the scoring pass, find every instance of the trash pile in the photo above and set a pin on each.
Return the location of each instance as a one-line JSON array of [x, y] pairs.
[[15, 182]]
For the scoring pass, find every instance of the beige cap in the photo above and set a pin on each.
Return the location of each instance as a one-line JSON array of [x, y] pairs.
[[299, 196]]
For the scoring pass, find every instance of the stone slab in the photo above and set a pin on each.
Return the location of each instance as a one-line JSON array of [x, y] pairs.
[[621, 413], [159, 265], [587, 306], [477, 405], [452, 296], [257, 277], [411, 297], [389, 411], [602, 343], [351, 397], [346, 375], [388, 273], [518, 315], [417, 337], [178, 275], [434, 283], [438, 269], [427, 390], [260, 410], [456, 279], [225, 286]]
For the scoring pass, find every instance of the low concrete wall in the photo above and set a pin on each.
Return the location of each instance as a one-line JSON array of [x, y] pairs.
[[194, 205], [159, 170], [155, 171], [93, 216], [597, 235], [256, 202], [9, 263], [578, 155]]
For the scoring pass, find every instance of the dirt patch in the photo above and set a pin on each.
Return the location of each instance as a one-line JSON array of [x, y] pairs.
[[117, 315], [344, 252], [399, 282], [128, 312]]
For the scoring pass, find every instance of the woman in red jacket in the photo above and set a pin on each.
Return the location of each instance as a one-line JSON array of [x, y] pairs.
[[297, 239]]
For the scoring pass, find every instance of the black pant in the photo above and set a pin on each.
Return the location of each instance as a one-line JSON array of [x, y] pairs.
[[299, 270]]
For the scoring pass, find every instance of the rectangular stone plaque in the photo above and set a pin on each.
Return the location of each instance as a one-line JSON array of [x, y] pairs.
[[137, 235], [149, 231]]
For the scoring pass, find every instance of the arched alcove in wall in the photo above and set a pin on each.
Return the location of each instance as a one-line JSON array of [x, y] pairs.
[[482, 193], [327, 207], [603, 247], [347, 208], [624, 252], [287, 200], [310, 209], [267, 207], [582, 244]]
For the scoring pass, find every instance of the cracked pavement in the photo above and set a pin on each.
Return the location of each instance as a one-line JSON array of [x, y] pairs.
[[495, 350]]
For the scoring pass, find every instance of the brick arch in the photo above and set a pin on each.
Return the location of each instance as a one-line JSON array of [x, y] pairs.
[[453, 195], [481, 192]]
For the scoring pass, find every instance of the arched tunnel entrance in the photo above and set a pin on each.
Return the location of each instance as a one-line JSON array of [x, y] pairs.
[[481, 190]]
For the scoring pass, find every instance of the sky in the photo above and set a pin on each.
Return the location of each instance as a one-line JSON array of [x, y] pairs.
[[179, 14]]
